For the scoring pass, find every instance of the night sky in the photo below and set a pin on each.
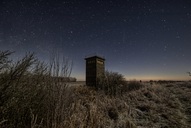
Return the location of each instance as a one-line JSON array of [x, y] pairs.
[[141, 39]]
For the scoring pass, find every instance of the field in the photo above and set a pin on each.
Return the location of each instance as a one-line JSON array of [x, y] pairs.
[[155, 105], [32, 96], [77, 83]]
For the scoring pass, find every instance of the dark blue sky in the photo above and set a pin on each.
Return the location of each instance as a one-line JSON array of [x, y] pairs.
[[141, 39]]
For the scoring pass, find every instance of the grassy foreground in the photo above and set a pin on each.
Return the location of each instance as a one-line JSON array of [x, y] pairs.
[[158, 106], [151, 106], [29, 97]]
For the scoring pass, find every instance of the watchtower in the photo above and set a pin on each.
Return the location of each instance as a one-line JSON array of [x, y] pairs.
[[95, 67]]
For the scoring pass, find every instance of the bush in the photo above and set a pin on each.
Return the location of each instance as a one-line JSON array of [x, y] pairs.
[[133, 85], [30, 97], [111, 83]]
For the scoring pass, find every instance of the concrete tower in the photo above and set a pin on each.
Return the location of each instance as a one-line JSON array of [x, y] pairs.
[[95, 66]]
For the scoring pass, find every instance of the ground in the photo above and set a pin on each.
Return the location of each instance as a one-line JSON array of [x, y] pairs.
[[158, 105]]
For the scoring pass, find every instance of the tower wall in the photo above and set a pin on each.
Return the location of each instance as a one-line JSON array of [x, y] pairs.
[[95, 66]]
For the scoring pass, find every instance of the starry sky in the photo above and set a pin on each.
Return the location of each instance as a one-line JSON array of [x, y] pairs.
[[141, 39]]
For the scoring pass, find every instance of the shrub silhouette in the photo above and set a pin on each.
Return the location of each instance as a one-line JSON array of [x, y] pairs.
[[111, 83], [30, 97], [114, 83], [133, 85]]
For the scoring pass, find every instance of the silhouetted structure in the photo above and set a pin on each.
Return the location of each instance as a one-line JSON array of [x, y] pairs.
[[95, 66]]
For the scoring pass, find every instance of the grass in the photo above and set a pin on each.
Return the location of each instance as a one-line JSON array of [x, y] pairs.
[[31, 98]]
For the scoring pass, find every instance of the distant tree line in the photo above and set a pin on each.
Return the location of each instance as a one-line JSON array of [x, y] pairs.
[[65, 79]]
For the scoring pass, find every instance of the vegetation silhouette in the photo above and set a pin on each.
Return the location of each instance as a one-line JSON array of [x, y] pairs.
[[29, 97]]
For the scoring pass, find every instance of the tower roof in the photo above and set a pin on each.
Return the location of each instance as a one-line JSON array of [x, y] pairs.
[[95, 56]]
